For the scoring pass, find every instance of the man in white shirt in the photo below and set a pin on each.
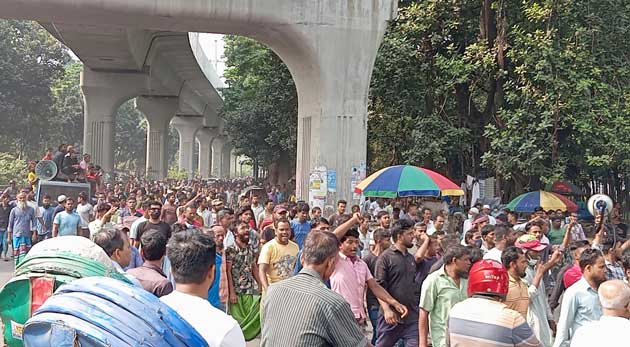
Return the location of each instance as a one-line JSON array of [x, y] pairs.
[[192, 257], [612, 328], [85, 210], [473, 213], [485, 210]]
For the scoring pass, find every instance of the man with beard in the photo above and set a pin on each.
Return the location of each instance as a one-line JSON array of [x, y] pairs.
[[383, 219], [153, 223], [278, 256], [395, 271], [580, 303], [440, 291], [67, 222], [539, 315], [341, 210], [526, 293], [243, 282], [21, 228]]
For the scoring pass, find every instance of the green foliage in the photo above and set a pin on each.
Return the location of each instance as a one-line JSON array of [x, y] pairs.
[[12, 169], [68, 107], [130, 138], [530, 91], [260, 107], [30, 61], [175, 173]]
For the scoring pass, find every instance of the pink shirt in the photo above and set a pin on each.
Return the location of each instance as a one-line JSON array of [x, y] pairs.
[[350, 281]]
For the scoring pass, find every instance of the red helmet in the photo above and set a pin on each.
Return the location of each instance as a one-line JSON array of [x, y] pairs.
[[488, 277]]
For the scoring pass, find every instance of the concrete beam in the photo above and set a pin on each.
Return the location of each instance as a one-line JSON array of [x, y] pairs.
[[159, 111]]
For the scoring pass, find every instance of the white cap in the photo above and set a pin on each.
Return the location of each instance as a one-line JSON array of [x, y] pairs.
[[61, 198], [473, 210], [485, 207]]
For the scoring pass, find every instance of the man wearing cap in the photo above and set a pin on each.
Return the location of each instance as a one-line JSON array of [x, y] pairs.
[[485, 210], [217, 205], [483, 319], [61, 204], [473, 213], [539, 315]]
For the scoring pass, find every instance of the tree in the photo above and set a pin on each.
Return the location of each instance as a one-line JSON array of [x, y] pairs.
[[30, 61], [68, 107], [260, 106], [130, 138]]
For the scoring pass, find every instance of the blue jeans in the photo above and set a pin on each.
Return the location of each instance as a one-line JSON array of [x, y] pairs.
[[373, 314], [4, 248]]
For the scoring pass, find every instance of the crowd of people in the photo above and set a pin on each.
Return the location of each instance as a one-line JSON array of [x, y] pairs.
[[389, 272]]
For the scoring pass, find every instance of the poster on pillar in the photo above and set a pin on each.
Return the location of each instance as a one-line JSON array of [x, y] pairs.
[[332, 180], [318, 186], [358, 175]]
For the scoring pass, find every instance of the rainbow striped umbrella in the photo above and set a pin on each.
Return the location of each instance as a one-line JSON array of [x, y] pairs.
[[406, 180], [547, 200]]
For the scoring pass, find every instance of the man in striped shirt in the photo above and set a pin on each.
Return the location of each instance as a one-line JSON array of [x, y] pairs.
[[483, 320], [302, 312]]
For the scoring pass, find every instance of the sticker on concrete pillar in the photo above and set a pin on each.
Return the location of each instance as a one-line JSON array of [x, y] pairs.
[[332, 180], [317, 184], [357, 175]]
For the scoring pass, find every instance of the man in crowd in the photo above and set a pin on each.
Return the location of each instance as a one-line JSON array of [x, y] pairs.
[[169, 210], [301, 311], [153, 223], [440, 291], [85, 210], [383, 219], [473, 213], [483, 319], [487, 238], [426, 219], [580, 303], [352, 277], [412, 213], [341, 210], [47, 213], [103, 218], [115, 243], [365, 235], [192, 256], [21, 228], [316, 212], [70, 165], [266, 217], [485, 210], [217, 295], [278, 256], [67, 222], [150, 274], [243, 282], [382, 242], [500, 244], [395, 270], [301, 226], [257, 208], [5, 212], [611, 330]]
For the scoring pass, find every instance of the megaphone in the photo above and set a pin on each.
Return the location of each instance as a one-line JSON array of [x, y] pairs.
[[599, 203]]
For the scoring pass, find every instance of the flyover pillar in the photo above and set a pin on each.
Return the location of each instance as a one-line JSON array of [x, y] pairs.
[[103, 93], [186, 128], [227, 160], [205, 136], [217, 156], [332, 83], [158, 111]]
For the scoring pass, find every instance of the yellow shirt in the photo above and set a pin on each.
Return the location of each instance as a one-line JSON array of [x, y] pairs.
[[517, 297], [281, 259], [31, 178]]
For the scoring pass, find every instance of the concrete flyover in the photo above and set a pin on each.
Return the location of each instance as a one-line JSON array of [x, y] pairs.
[[329, 47]]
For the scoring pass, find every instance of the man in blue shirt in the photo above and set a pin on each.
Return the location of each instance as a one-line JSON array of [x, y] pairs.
[[22, 224], [214, 295], [301, 226], [580, 303], [67, 222], [47, 211]]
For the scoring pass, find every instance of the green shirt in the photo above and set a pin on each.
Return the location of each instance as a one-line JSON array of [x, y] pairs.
[[439, 294], [556, 236]]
